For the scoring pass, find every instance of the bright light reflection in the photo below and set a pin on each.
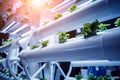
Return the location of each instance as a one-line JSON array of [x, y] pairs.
[[36, 2]]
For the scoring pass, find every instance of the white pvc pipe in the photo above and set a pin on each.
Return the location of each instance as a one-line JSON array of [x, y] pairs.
[[96, 10], [104, 46]]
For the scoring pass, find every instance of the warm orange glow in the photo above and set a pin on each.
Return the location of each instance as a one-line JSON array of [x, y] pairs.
[[36, 2], [42, 3]]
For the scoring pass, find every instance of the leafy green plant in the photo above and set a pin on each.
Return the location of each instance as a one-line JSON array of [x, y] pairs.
[[17, 74], [78, 77], [58, 15], [117, 22], [103, 27], [90, 29], [35, 46], [42, 79], [45, 22], [91, 77], [8, 74], [63, 36], [1, 57], [24, 77], [44, 43], [107, 77], [93, 0], [72, 8], [86, 30], [7, 41], [101, 78]]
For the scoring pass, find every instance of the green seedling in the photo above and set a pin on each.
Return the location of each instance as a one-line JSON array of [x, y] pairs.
[[63, 36], [78, 77], [72, 8], [58, 15], [117, 22], [103, 27]]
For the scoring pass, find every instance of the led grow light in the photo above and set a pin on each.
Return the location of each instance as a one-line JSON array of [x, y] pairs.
[[21, 28], [10, 25]]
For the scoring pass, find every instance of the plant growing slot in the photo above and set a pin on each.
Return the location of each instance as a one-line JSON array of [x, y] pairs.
[[44, 43], [63, 36], [107, 77], [78, 77], [7, 42], [58, 15], [91, 77], [103, 27], [72, 8], [35, 46], [90, 29], [45, 22], [117, 22], [100, 78]]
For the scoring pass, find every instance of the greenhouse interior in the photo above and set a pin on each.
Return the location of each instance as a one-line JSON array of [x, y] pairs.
[[59, 39]]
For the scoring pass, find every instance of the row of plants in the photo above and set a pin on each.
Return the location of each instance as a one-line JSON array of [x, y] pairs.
[[59, 15], [90, 29], [72, 8], [63, 36], [93, 77], [5, 73], [7, 41], [42, 44]]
